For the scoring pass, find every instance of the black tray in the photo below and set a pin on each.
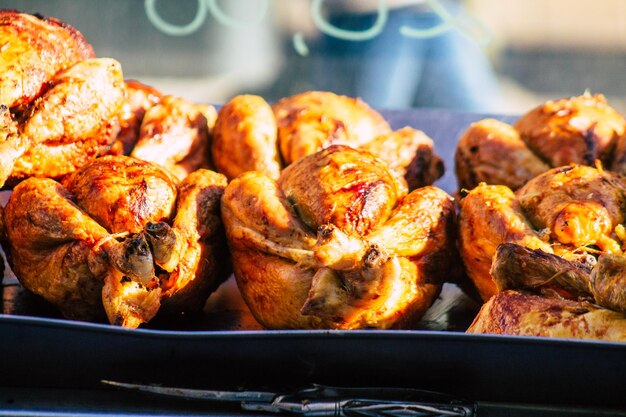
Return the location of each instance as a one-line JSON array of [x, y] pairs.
[[38, 349]]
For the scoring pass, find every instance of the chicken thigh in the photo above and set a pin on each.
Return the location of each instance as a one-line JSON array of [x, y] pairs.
[[337, 243], [118, 237]]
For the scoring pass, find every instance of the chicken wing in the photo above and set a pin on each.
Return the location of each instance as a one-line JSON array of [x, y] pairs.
[[335, 244], [34, 49]]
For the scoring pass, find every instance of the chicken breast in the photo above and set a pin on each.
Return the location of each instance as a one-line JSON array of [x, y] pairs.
[[336, 243], [73, 122]]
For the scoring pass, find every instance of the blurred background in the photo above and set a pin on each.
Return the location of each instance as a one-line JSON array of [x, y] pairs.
[[476, 55]]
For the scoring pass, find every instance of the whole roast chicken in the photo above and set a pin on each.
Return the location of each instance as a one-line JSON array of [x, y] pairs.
[[560, 224], [580, 130], [119, 236], [336, 242], [59, 104], [252, 135]]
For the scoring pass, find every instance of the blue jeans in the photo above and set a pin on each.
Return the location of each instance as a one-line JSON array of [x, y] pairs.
[[392, 70]]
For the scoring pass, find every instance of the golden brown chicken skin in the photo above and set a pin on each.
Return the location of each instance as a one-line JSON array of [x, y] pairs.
[[493, 152], [252, 135], [138, 98], [521, 314], [174, 133], [244, 138], [119, 237], [572, 211], [34, 49], [336, 243], [578, 130], [309, 122], [72, 123]]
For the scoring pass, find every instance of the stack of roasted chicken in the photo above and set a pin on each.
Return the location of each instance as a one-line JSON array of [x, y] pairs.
[[541, 224], [127, 204], [130, 204]]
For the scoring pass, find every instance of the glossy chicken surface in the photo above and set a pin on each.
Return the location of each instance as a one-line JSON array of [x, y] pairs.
[[337, 243], [174, 133], [245, 138], [33, 50], [251, 134], [138, 98], [516, 313], [60, 104], [573, 211], [120, 237], [73, 122], [578, 130]]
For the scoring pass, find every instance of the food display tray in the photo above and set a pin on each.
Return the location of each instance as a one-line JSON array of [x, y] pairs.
[[40, 349]]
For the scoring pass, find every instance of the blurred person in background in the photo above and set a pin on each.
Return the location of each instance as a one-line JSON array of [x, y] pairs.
[[427, 53]]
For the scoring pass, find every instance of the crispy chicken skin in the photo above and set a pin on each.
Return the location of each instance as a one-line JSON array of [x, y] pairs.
[[571, 211], [309, 122], [138, 98], [34, 49], [174, 133], [120, 237], [410, 154], [517, 313], [73, 122], [244, 138], [252, 135], [59, 103], [493, 152], [337, 243], [577, 130]]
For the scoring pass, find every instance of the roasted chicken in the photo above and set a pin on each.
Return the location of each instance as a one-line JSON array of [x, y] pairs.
[[138, 98], [59, 104], [335, 242], [118, 233], [578, 130], [251, 135], [517, 313], [34, 49], [167, 130], [601, 281], [575, 212]]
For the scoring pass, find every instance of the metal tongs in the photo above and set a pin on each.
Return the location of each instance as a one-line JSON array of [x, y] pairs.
[[322, 401]]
